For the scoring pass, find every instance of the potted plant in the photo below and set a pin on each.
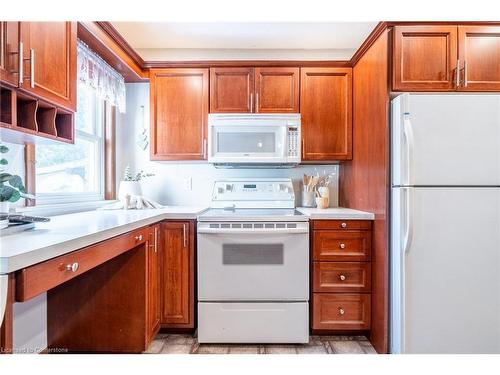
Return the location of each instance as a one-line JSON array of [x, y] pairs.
[[130, 183], [11, 186]]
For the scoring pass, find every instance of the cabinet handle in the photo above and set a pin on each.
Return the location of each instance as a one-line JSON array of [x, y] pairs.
[[251, 102], [341, 311], [343, 225], [342, 277], [457, 75], [342, 245], [256, 102], [138, 238], [465, 74], [184, 237], [32, 67], [156, 239], [72, 267]]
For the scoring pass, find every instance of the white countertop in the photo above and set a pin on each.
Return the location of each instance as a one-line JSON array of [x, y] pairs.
[[66, 233], [336, 213]]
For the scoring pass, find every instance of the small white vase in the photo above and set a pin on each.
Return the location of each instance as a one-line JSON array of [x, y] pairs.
[[5, 207], [130, 188]]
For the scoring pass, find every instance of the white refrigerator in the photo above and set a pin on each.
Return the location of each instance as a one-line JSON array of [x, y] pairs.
[[445, 224]]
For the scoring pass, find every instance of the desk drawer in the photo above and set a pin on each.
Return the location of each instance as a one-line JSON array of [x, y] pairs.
[[331, 245], [341, 311], [41, 277], [341, 277]]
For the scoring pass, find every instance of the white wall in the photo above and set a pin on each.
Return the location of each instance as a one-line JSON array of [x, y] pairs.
[[168, 185]]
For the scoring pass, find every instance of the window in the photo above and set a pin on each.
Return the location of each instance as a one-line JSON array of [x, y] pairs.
[[70, 173]]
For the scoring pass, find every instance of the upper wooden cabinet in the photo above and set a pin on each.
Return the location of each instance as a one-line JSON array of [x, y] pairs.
[[424, 58], [231, 90], [177, 274], [479, 52], [446, 58], [277, 90], [179, 113], [326, 110], [254, 90], [9, 52], [49, 54]]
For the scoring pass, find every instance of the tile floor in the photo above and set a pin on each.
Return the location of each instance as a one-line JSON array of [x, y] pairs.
[[187, 344]]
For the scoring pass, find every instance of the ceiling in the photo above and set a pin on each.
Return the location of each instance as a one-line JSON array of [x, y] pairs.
[[150, 36]]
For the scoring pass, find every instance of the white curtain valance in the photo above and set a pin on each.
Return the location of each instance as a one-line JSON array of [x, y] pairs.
[[94, 72]]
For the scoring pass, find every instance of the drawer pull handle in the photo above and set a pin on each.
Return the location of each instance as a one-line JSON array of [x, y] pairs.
[[72, 267], [342, 277], [138, 238], [341, 311], [342, 245], [343, 225]]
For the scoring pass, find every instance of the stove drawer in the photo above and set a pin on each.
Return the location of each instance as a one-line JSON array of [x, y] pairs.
[[253, 322]]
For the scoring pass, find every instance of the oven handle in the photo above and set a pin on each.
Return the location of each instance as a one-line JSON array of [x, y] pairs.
[[253, 231]]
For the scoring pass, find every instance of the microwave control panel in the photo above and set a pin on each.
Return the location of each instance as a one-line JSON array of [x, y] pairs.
[[293, 141]]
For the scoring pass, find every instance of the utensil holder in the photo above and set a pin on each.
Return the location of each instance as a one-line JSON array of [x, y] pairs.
[[308, 198]]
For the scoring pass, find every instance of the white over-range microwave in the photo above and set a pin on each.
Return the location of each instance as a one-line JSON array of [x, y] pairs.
[[253, 140]]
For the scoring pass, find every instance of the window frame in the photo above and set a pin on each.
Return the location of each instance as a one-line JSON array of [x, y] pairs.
[[99, 122]]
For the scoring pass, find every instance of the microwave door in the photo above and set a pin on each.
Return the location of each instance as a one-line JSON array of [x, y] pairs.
[[236, 144]]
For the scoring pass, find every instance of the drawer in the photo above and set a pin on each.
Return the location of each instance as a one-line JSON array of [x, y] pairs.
[[253, 322], [341, 311], [342, 224], [341, 277], [330, 245], [41, 277]]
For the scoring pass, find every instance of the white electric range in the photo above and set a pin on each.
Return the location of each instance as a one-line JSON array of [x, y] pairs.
[[253, 264]]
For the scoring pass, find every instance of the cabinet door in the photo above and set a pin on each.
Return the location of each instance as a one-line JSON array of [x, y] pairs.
[[425, 58], [177, 274], [479, 52], [231, 90], [153, 281], [179, 113], [277, 90], [326, 109], [50, 68], [9, 52]]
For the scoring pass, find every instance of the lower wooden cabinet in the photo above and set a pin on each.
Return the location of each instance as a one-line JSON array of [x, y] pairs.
[[153, 282], [341, 275], [177, 274]]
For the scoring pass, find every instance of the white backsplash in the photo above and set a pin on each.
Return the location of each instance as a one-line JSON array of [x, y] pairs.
[[169, 185]]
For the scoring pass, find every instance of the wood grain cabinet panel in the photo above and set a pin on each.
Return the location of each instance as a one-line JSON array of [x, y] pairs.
[[329, 245], [326, 109], [424, 58], [179, 113], [9, 50], [277, 90], [177, 274], [337, 311], [231, 90], [479, 54], [52, 64], [153, 281], [341, 277]]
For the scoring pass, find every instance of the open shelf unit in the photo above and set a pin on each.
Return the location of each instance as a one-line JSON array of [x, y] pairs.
[[23, 118]]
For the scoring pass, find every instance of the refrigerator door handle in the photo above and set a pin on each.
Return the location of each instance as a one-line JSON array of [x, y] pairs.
[[408, 136], [407, 214]]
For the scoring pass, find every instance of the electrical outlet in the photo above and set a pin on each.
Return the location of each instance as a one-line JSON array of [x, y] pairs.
[[188, 184]]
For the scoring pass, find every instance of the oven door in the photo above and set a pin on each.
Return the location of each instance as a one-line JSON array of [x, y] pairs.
[[247, 144], [253, 264]]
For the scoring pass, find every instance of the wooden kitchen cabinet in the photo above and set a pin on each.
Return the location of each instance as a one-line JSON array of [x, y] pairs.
[[277, 90], [49, 50], [341, 275], [177, 274], [479, 54], [425, 58], [326, 109], [254, 90], [179, 114], [153, 281], [231, 90], [9, 51]]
